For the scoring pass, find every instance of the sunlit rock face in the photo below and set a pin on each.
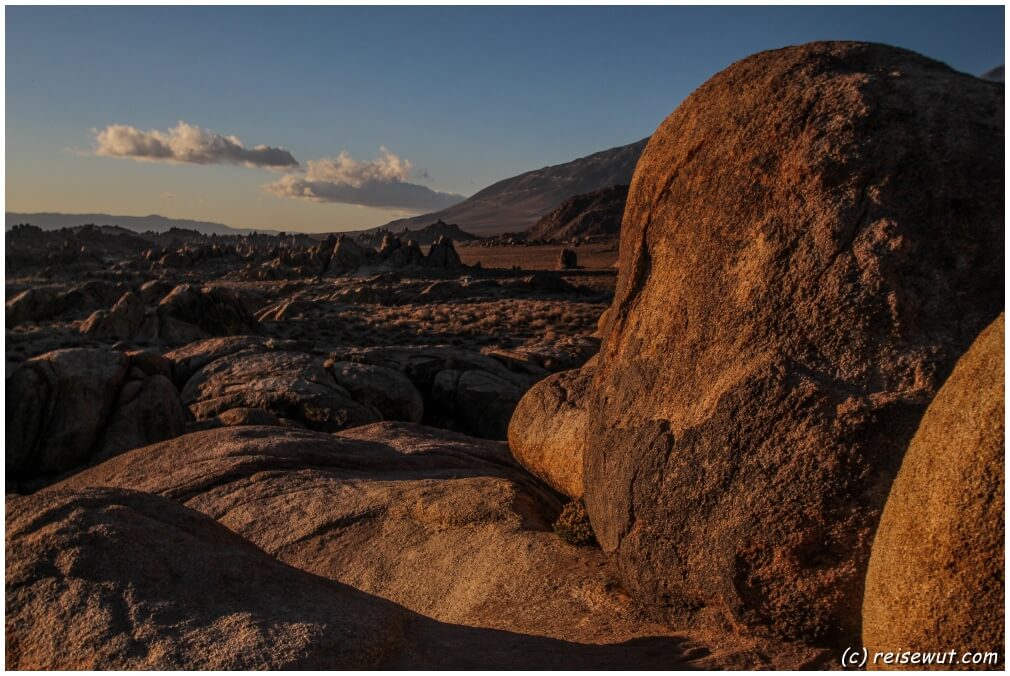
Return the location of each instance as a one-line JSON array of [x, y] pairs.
[[811, 241]]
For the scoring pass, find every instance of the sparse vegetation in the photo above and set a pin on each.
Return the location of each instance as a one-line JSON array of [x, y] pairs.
[[573, 525]]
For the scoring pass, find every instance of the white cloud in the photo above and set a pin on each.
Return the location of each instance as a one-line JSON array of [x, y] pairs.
[[379, 183], [387, 168], [187, 143]]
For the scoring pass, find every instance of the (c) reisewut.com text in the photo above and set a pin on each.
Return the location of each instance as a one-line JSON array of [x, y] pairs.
[[861, 657]]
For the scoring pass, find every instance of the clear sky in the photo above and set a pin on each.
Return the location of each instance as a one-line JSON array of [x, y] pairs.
[[366, 114]]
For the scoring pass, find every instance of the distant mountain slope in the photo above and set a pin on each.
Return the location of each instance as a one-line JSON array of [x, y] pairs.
[[152, 223], [517, 203], [996, 74], [590, 215]]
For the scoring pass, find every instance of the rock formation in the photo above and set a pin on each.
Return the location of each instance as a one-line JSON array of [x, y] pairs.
[[935, 579], [124, 320], [442, 254], [547, 431], [38, 304], [242, 549], [301, 388], [811, 240], [190, 313], [443, 386], [69, 407], [462, 390]]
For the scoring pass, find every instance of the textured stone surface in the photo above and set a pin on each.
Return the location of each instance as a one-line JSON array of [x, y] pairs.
[[147, 410], [116, 579], [935, 579], [57, 408], [292, 385], [547, 433], [811, 241], [443, 524]]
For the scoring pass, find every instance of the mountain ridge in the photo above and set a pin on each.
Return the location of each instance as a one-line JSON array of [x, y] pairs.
[[53, 220], [515, 204]]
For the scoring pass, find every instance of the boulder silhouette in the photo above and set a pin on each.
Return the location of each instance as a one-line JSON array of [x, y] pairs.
[[811, 240], [935, 579]]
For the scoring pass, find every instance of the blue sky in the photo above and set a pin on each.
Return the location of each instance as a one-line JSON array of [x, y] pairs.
[[458, 97]]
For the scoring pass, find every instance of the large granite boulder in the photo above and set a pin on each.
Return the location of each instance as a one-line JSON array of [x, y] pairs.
[[811, 241], [69, 407], [935, 579]]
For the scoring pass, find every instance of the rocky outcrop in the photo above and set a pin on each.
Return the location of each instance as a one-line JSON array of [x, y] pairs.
[[69, 407], [462, 390], [593, 214], [154, 290], [187, 360], [442, 386], [548, 429], [811, 240], [190, 313], [348, 255], [935, 579], [299, 387], [125, 319], [41, 304], [442, 254], [31, 305]]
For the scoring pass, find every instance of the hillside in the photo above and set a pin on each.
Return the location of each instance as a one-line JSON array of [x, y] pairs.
[[515, 204], [590, 215]]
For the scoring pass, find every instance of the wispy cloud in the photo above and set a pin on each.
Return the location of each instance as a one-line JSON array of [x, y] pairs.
[[186, 143], [382, 182]]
